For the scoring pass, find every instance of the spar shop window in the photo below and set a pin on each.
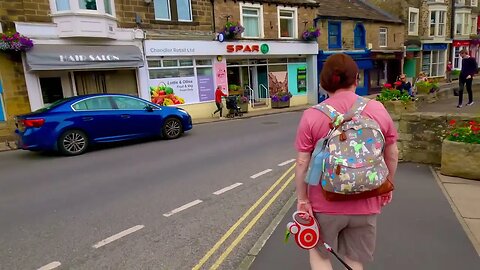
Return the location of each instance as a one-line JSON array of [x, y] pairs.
[[172, 68]]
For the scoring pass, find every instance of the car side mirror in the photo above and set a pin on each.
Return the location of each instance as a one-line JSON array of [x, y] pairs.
[[149, 108]]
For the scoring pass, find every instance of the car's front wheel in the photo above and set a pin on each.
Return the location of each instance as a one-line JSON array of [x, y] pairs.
[[73, 142], [172, 128]]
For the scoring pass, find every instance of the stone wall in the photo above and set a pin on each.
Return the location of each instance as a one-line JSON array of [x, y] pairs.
[[395, 39], [270, 17], [421, 134], [15, 97]]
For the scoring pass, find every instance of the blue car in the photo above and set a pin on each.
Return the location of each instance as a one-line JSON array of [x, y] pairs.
[[71, 125]]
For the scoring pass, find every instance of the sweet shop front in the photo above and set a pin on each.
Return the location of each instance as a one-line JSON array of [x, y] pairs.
[[186, 73]]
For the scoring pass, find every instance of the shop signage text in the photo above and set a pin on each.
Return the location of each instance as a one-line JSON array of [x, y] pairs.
[[88, 58], [461, 43], [242, 48], [172, 50]]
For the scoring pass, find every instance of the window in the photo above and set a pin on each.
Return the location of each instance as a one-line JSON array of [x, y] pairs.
[[252, 20], [383, 38], [79, 6], [173, 10], [334, 35], [474, 3], [174, 68], [462, 23], [434, 63], [359, 36], [287, 22], [93, 104], [413, 16], [126, 103], [473, 29], [51, 89], [437, 23]]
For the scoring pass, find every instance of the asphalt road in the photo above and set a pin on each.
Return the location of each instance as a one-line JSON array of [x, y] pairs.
[[418, 231], [59, 209]]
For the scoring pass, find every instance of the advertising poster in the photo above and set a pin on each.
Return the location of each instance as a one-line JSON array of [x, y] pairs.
[[206, 89], [297, 79], [277, 82], [220, 70], [174, 91]]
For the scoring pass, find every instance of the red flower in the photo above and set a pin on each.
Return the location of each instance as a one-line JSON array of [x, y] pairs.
[[472, 123], [455, 135], [452, 122], [475, 128], [388, 85], [398, 83]]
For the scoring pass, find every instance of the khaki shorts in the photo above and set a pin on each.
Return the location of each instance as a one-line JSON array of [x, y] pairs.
[[352, 236]]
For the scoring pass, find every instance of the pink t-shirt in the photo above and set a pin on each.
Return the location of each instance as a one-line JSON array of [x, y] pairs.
[[314, 125]]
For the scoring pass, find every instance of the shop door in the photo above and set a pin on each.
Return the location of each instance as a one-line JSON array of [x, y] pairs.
[[52, 89], [362, 87], [409, 68], [2, 111], [262, 73], [254, 82]]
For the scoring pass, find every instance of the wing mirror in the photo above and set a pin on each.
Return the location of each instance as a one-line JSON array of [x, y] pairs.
[[149, 108]]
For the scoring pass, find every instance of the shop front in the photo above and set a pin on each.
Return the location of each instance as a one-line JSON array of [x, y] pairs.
[[387, 66], [55, 71], [186, 73], [364, 63], [434, 56], [457, 46]]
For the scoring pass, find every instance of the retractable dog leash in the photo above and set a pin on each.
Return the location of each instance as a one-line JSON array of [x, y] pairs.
[[307, 233]]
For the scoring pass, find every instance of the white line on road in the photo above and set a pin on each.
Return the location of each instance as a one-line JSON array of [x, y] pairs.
[[118, 236], [260, 173], [223, 190], [286, 162], [50, 266], [181, 208]]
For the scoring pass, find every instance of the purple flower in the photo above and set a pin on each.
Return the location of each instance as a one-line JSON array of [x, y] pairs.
[[275, 98], [16, 42]]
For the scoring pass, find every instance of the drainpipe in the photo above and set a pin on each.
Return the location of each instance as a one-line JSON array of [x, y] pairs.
[[452, 29], [213, 15]]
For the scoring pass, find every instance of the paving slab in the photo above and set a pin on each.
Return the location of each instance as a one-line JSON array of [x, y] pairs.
[[466, 198]]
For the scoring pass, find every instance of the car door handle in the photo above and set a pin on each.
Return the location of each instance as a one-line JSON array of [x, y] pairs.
[[87, 118], [125, 116]]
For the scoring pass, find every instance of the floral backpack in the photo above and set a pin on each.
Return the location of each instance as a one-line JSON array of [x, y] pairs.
[[349, 162]]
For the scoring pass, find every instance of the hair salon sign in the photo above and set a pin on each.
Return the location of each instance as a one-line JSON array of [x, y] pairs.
[[89, 58]]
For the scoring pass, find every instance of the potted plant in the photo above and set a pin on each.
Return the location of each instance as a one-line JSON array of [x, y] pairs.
[[281, 99], [231, 30], [15, 42], [396, 101], [311, 34], [455, 75], [461, 150], [242, 102], [234, 89], [424, 87]]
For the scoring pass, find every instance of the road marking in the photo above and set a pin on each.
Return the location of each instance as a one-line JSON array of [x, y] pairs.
[[50, 266], [250, 225], [181, 208], [235, 226], [118, 236], [286, 162], [260, 173], [223, 190]]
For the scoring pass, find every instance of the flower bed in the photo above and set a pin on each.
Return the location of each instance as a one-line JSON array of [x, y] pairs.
[[396, 101], [461, 150]]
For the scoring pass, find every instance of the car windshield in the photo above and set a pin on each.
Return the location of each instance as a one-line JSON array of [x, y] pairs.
[[52, 105]]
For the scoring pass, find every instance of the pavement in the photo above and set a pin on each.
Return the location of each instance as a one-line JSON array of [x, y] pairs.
[[432, 223]]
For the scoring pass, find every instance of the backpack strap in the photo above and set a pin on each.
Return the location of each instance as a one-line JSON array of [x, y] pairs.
[[334, 115], [357, 108]]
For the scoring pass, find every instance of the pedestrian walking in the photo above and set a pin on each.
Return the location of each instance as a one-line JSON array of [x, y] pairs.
[[448, 72], [348, 226], [218, 101], [469, 69]]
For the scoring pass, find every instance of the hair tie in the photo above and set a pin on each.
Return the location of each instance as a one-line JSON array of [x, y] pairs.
[[335, 78]]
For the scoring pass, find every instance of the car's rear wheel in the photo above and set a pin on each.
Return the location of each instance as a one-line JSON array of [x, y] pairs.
[[172, 128], [73, 142]]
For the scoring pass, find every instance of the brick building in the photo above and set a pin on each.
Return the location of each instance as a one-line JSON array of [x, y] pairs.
[[373, 37]]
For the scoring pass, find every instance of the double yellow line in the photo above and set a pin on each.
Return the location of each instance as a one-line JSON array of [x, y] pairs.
[[230, 248]]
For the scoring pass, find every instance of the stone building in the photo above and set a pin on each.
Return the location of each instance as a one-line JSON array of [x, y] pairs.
[[373, 37]]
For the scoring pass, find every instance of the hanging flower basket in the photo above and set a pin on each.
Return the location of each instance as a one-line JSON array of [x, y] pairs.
[[311, 34], [232, 30], [15, 43]]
